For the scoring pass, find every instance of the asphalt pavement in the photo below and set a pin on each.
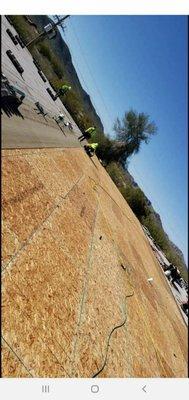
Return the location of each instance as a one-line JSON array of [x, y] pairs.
[[33, 131]]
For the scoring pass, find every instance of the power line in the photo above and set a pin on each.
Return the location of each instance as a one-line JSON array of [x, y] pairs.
[[107, 112], [90, 71], [48, 29], [81, 75]]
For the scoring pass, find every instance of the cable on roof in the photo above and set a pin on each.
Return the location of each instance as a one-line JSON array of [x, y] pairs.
[[108, 340]]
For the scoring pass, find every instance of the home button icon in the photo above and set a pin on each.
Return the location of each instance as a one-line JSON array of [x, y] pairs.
[[94, 388]]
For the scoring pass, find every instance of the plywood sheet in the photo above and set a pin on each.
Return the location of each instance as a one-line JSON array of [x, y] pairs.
[[72, 251]]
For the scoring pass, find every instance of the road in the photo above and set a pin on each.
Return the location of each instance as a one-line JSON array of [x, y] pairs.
[[181, 297], [33, 131], [179, 294]]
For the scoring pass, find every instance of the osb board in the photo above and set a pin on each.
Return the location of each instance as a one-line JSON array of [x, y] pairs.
[[71, 232], [56, 180], [102, 305], [152, 302], [145, 345], [87, 198], [22, 332], [32, 182], [110, 187], [49, 276], [78, 160], [25, 202], [44, 290], [64, 289], [10, 243], [11, 364], [47, 271]]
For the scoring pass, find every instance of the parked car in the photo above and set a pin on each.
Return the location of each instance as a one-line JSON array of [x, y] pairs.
[[15, 62], [13, 38]]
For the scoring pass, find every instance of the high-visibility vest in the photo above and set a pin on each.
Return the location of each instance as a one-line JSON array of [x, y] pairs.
[[64, 89], [90, 130], [94, 145]]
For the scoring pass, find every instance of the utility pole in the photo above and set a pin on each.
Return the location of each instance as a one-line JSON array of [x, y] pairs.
[[48, 29]]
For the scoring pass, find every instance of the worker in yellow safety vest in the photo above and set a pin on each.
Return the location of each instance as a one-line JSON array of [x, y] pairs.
[[62, 91], [88, 133], [91, 148]]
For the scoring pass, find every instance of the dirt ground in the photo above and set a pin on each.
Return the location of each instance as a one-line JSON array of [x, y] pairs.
[[75, 265]]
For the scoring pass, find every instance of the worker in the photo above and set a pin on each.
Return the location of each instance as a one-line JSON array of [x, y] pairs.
[[63, 90], [168, 273], [175, 274], [70, 126], [91, 148], [88, 133], [61, 117], [184, 306]]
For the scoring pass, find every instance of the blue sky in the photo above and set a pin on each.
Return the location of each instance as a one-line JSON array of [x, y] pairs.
[[140, 62]]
